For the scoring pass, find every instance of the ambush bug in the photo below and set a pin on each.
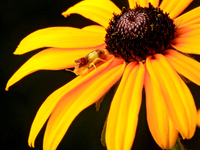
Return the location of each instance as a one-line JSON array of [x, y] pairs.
[[83, 64]]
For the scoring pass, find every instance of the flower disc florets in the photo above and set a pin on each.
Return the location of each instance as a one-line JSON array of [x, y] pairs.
[[137, 33]]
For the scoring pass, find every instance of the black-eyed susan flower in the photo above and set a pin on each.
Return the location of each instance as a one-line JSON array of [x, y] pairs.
[[145, 45]]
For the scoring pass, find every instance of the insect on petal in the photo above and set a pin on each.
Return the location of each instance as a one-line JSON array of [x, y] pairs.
[[74, 101], [48, 59]]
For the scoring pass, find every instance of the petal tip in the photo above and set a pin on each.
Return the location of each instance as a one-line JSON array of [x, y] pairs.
[[17, 51], [31, 144], [7, 88], [64, 14]]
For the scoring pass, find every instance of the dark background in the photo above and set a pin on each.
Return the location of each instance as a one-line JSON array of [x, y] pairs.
[[19, 105]]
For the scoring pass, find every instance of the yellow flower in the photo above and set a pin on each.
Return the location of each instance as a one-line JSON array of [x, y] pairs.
[[169, 102]]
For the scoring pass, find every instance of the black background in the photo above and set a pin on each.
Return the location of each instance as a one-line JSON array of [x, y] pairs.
[[19, 105]]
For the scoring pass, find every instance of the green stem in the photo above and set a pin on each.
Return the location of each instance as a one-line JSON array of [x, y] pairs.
[[178, 145]]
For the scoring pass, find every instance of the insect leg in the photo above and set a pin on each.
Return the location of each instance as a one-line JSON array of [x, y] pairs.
[[95, 61]]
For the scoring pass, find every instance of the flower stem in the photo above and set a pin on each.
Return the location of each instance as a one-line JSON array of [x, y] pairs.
[[178, 145]]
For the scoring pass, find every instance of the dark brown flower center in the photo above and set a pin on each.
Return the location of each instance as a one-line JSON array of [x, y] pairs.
[[137, 33]]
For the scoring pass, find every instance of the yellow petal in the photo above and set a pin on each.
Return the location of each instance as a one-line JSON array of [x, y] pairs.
[[187, 40], [154, 2], [192, 34], [160, 126], [61, 37], [132, 3], [95, 28], [123, 115], [190, 48], [143, 3], [48, 59], [184, 65], [50, 103], [174, 8], [179, 8], [73, 102], [198, 119], [99, 11], [151, 71], [189, 18], [47, 107], [178, 98], [164, 4], [185, 29]]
